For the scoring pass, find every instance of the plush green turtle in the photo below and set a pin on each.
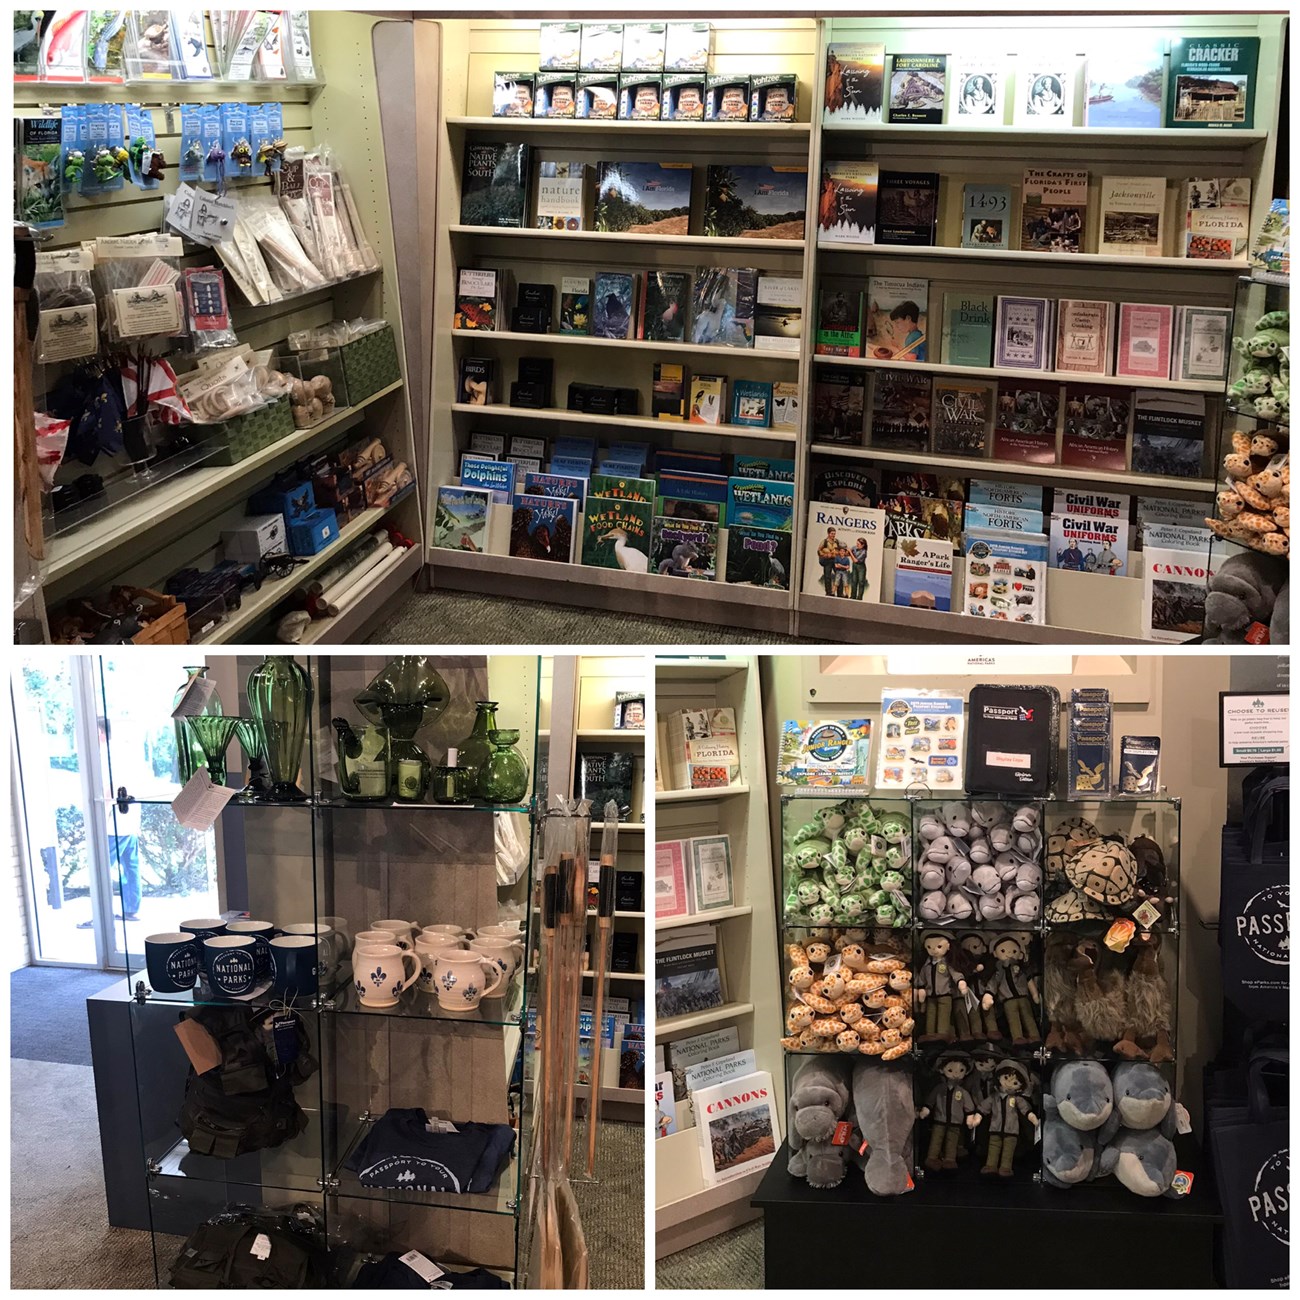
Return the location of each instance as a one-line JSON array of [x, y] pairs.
[[1105, 871], [808, 854]]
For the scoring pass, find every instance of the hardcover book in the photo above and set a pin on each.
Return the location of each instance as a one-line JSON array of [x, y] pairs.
[[1146, 334], [839, 405], [543, 528], [1126, 86], [786, 406], [1023, 335], [724, 305], [900, 410], [778, 313], [846, 203], [1217, 217], [708, 399], [1025, 429], [755, 202], [760, 503], [1201, 347], [644, 198], [908, 515], [561, 202], [1045, 90], [1168, 433], [684, 548], [575, 305], [917, 85], [476, 300], [839, 323], [1006, 577], [1212, 82], [977, 86], [923, 573], [968, 320], [461, 518], [557, 485], [751, 403], [1085, 336], [1096, 427], [616, 534], [1053, 210], [494, 184], [1132, 216], [1089, 532], [739, 1128], [614, 308], [758, 557], [907, 208], [855, 83], [896, 316], [844, 546], [986, 216], [668, 392], [476, 381], [962, 416], [664, 305]]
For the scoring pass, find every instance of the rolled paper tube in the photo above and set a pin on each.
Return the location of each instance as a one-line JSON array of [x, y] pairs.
[[372, 578], [338, 593], [345, 563]]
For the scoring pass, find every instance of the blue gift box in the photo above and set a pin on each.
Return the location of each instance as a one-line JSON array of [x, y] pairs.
[[297, 503], [313, 534]]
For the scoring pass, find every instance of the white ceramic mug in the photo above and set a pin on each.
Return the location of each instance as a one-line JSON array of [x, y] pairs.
[[505, 952], [425, 942], [463, 979], [403, 932], [453, 931], [383, 973], [372, 939], [509, 930]]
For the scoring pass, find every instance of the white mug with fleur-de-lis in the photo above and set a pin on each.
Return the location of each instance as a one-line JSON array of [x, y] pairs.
[[461, 979], [380, 973], [505, 952]]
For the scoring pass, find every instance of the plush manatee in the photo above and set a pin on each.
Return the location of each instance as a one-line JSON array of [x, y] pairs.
[[1143, 1161], [886, 1112], [819, 1098], [1082, 1091], [1069, 1154]]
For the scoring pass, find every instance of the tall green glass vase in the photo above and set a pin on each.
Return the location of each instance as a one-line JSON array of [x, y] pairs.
[[279, 697], [476, 748], [189, 753]]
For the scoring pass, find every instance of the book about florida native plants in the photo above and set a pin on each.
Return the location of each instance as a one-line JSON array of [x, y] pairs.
[[644, 198], [748, 201], [494, 185], [616, 534]]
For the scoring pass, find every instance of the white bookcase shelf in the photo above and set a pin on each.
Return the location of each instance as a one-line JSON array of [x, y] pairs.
[[710, 795]]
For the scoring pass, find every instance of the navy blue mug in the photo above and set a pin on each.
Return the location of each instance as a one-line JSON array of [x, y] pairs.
[[207, 928], [230, 963], [172, 961], [295, 961], [261, 932]]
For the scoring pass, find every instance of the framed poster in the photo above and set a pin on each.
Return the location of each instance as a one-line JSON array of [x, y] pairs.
[[1254, 728], [711, 872]]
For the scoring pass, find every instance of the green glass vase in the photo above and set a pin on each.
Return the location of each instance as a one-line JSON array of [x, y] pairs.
[[214, 732], [504, 777], [251, 741], [475, 750], [406, 696], [279, 698], [189, 753]]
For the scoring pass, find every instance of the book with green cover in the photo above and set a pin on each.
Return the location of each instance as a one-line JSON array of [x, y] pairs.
[[627, 489], [616, 534], [968, 318], [839, 323], [1212, 82]]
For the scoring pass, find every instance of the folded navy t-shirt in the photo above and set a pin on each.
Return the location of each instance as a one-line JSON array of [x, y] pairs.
[[400, 1152], [390, 1274]]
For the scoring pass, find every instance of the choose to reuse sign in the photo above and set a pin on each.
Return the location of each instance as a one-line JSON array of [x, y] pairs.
[[1254, 728]]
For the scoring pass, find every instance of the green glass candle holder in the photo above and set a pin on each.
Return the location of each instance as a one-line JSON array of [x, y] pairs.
[[214, 734], [253, 743], [504, 777], [189, 753]]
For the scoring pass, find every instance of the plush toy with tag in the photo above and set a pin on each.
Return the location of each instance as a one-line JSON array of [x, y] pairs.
[[885, 1113], [819, 1103]]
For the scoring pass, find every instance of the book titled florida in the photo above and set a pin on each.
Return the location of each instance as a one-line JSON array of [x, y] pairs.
[[855, 83], [542, 527], [1212, 82], [644, 198], [616, 534], [494, 185]]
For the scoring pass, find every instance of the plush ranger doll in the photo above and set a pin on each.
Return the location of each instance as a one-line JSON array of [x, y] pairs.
[[977, 964], [1004, 1110], [949, 1108], [936, 982], [983, 1086], [1014, 989]]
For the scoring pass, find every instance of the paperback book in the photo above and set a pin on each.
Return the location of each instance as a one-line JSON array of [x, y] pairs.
[[672, 897], [1217, 217], [751, 403], [839, 405], [896, 318], [1085, 336], [977, 86], [497, 476], [557, 485], [1177, 565], [1006, 577], [986, 216], [561, 202], [786, 406], [923, 574], [1168, 433], [1096, 427], [476, 300], [842, 484], [461, 518], [917, 86], [989, 518], [684, 548], [839, 323], [1089, 532], [543, 528], [494, 185], [835, 754], [909, 514], [758, 557], [855, 83], [844, 546], [763, 467], [616, 534], [760, 503], [684, 1053], [969, 316], [900, 410], [778, 313], [575, 305], [614, 307], [726, 298], [688, 975], [961, 419], [1132, 216], [907, 208], [668, 392], [748, 201], [664, 305], [1201, 347], [477, 375], [1023, 333], [1045, 89], [708, 399], [1126, 86], [622, 487], [1004, 495], [643, 198], [846, 205], [738, 1126], [1053, 210], [1212, 82], [1025, 428], [1146, 340]]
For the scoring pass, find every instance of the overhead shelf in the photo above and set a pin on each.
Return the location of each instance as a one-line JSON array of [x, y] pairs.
[[740, 131], [578, 238], [637, 345], [701, 918], [1057, 261], [738, 431], [701, 796], [1132, 137], [698, 670], [702, 1019]]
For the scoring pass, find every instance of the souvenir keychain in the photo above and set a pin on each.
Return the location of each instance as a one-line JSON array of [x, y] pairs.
[[191, 143]]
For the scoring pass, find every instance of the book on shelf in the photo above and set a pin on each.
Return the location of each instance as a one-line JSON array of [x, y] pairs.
[[1201, 343], [917, 87], [922, 740], [1177, 565], [760, 503], [614, 305], [1001, 519], [778, 470], [839, 405], [758, 557], [1016, 496], [491, 445], [843, 551], [1006, 576], [561, 201], [986, 216], [557, 485], [460, 520], [969, 316], [961, 419], [708, 1074], [1089, 532], [703, 737], [1025, 426], [832, 753], [668, 391], [839, 322], [616, 534], [778, 313], [494, 184], [1132, 221], [622, 487], [623, 951], [1212, 82], [682, 1054], [497, 476], [1271, 251], [739, 1128], [911, 514], [477, 381], [751, 403], [1145, 345], [708, 399], [896, 318], [841, 484], [753, 201], [1217, 212], [786, 406], [689, 495], [907, 208], [631, 1058], [923, 573], [1168, 433], [644, 198], [724, 304], [1045, 89], [605, 777], [1126, 85], [684, 548], [1023, 337], [575, 304], [1171, 512], [1096, 427], [854, 87], [1053, 210], [665, 1118], [672, 887], [543, 527], [901, 403], [1085, 336], [664, 304], [978, 84], [847, 202], [688, 971], [476, 299]]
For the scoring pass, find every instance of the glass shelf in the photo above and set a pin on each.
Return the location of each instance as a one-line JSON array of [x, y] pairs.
[[325, 804], [414, 1004], [201, 995], [295, 1166]]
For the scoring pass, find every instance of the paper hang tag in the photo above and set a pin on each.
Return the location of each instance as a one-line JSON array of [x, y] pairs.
[[1038, 1133], [261, 1246], [864, 1148], [180, 211], [843, 1131], [832, 964], [426, 1268], [196, 697], [200, 803], [441, 1126], [1183, 1121], [284, 1036], [199, 1046]]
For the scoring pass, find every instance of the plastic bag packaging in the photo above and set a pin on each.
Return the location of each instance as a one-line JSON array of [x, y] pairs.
[[204, 289], [339, 258], [236, 141], [290, 266], [361, 254], [247, 267], [69, 316], [218, 393], [51, 443], [270, 54], [192, 151], [137, 279], [100, 140], [146, 161]]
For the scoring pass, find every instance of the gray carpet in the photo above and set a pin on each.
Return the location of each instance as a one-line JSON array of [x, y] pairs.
[[447, 617], [47, 1012], [730, 1262], [613, 1209]]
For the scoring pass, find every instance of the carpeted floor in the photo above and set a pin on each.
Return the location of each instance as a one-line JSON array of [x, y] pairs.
[[613, 1209], [445, 617], [730, 1262], [47, 1013]]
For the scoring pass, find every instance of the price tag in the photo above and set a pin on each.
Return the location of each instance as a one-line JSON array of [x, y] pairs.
[[843, 1131], [441, 1126], [426, 1268], [832, 965], [1182, 1120], [261, 1246], [1182, 1183]]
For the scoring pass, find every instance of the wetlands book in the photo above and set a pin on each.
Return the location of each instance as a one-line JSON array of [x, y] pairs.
[[1132, 216], [758, 557], [846, 203], [543, 528], [616, 534], [1053, 208], [622, 487], [917, 84], [985, 216], [755, 202], [461, 518], [1025, 427], [1212, 82], [907, 208], [855, 83], [839, 405], [839, 323], [844, 548], [760, 503], [494, 185], [900, 410], [684, 548], [643, 198]]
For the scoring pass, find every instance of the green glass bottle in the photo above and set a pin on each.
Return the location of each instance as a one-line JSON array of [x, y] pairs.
[[504, 777], [189, 753], [476, 748], [279, 697]]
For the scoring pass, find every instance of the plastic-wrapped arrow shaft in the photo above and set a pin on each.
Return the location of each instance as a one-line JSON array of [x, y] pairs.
[[604, 942]]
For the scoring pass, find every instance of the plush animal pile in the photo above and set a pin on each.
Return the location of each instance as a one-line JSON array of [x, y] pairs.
[[1116, 1123], [848, 992], [1265, 386], [1255, 503], [1094, 877], [979, 861], [850, 865]]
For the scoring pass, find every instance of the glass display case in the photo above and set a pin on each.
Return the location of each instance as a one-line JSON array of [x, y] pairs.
[[331, 1046]]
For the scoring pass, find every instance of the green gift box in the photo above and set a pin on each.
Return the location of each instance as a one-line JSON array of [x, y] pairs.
[[369, 364], [246, 435]]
